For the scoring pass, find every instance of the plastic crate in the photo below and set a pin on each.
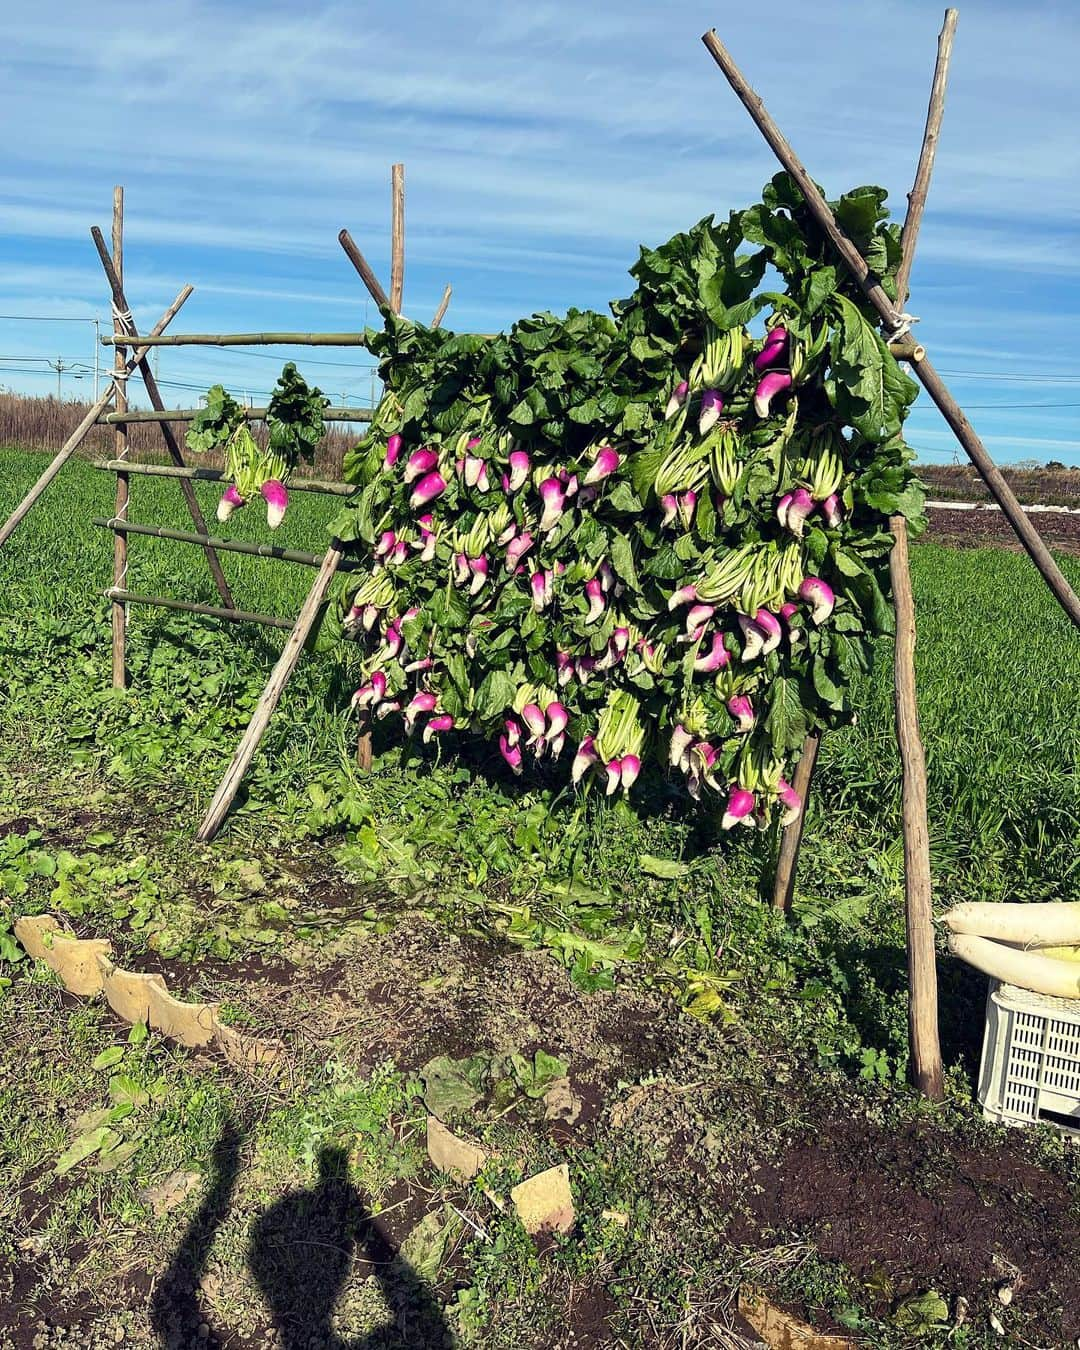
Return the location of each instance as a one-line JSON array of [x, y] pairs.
[[1030, 1058]]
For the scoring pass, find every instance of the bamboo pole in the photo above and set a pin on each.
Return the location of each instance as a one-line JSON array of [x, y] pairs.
[[249, 340], [397, 236], [791, 839], [116, 285], [444, 305], [203, 475], [932, 131], [268, 701], [190, 607], [252, 415], [120, 450], [79, 434], [924, 369], [367, 276], [225, 545], [925, 1048]]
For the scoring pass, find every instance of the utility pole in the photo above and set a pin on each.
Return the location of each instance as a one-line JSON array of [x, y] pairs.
[[97, 359], [59, 366]]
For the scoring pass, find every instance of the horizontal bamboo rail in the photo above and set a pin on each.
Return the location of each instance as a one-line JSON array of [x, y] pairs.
[[292, 555], [240, 340], [190, 607], [252, 415], [202, 475]]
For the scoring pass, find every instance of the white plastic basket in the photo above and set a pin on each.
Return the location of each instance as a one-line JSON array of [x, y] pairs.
[[1030, 1058]]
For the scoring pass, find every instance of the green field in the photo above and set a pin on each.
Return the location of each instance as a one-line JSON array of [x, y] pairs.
[[641, 900]]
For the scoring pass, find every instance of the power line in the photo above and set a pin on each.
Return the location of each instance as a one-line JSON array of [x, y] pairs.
[[47, 318]]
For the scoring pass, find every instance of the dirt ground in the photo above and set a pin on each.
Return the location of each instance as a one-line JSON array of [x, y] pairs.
[[742, 1161], [986, 528]]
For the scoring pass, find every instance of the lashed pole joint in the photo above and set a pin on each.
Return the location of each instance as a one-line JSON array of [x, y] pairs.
[[154, 394], [891, 318]]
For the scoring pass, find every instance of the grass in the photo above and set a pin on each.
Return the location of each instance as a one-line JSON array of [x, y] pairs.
[[642, 896]]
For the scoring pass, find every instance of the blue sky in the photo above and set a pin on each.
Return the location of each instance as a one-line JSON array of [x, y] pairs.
[[542, 144]]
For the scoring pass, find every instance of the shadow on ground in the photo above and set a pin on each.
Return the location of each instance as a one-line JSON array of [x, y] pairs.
[[301, 1252]]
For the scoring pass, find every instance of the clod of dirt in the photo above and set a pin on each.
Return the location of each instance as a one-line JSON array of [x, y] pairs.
[[192, 1024], [75, 960], [544, 1203], [451, 1154], [560, 1102], [128, 993], [779, 1330], [170, 1192]]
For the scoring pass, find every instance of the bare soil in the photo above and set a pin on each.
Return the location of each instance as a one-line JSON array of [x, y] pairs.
[[762, 1160], [990, 529]]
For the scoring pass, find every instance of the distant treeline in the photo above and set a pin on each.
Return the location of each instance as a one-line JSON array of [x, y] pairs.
[[46, 423]]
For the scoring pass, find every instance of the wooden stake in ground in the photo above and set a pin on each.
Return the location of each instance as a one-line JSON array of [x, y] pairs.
[[268, 701], [120, 450], [791, 838], [931, 133], [444, 304], [81, 431], [891, 319], [367, 276], [397, 237], [116, 285], [925, 1048]]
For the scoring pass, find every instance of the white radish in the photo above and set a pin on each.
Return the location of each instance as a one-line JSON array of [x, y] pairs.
[[1026, 969], [1052, 923]]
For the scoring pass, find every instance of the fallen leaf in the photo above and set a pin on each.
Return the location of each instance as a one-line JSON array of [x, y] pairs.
[[424, 1249], [85, 1146], [453, 1084]]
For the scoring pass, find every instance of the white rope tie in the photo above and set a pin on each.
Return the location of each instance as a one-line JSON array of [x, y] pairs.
[[123, 317], [902, 327]]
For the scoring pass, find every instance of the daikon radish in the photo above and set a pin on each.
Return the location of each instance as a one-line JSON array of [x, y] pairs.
[[1027, 969], [1050, 924]]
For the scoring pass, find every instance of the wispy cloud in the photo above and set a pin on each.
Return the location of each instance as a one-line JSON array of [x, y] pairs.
[[542, 143]]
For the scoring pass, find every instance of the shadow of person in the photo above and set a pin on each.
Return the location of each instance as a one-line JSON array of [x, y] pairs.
[[174, 1307], [302, 1251]]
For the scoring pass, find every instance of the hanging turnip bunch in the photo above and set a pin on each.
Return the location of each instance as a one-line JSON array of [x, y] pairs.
[[294, 423], [597, 542]]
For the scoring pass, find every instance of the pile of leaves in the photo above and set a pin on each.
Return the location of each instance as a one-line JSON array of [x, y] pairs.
[[596, 539], [294, 424]]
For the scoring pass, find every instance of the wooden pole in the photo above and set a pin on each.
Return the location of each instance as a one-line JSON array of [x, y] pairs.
[[268, 701], [397, 236], [79, 434], [120, 449], [791, 838], [202, 475], [924, 370], [925, 1048], [932, 131], [293, 555], [367, 276], [249, 340], [444, 305], [252, 414], [154, 393], [190, 607]]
